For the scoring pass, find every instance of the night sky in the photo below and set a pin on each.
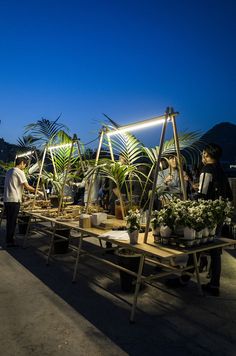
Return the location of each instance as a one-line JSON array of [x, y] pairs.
[[128, 59]]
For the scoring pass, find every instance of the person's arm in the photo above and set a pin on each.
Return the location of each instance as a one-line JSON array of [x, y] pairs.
[[31, 189], [80, 184], [162, 183]]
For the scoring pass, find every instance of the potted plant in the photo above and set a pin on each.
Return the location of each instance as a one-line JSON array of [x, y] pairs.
[[166, 219], [130, 260], [155, 225], [219, 211], [198, 222], [133, 225]]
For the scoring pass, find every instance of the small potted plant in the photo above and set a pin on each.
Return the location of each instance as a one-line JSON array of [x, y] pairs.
[[188, 222], [166, 219], [219, 211], [133, 225], [155, 226]]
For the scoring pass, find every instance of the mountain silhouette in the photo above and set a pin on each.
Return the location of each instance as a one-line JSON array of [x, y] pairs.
[[223, 134]]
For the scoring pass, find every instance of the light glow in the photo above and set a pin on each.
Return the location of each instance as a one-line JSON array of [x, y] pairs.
[[25, 154], [60, 146], [139, 125]]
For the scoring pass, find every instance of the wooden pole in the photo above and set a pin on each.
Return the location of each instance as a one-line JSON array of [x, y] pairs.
[[95, 165], [40, 175], [110, 148], [156, 171], [80, 157], [180, 166]]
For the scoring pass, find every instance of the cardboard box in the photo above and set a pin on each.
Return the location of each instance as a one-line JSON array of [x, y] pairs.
[[85, 220]]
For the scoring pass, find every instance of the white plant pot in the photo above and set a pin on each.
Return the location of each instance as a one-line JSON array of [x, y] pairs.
[[156, 231], [212, 231], [179, 230], [133, 237], [199, 234], [165, 231], [205, 232], [156, 234], [189, 234]]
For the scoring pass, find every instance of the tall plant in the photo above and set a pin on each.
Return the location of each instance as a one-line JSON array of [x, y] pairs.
[[129, 150], [45, 133]]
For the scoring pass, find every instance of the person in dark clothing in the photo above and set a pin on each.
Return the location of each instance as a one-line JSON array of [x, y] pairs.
[[213, 184]]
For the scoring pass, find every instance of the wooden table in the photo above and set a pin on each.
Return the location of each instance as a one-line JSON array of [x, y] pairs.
[[156, 253]]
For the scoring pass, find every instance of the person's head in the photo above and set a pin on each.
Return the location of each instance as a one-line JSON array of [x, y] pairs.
[[211, 153], [21, 162], [172, 161]]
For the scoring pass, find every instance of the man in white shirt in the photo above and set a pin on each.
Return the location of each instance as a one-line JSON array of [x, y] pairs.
[[15, 182]]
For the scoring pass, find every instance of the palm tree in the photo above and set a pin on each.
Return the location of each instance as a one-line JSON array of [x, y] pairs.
[[45, 134], [45, 131]]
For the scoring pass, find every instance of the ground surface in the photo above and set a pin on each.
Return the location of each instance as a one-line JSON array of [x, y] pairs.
[[43, 313]]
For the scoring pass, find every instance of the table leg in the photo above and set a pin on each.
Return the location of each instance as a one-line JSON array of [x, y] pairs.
[[77, 258], [197, 273], [137, 286], [51, 243]]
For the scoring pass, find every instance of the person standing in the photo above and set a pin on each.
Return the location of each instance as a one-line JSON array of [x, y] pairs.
[[15, 182], [213, 184]]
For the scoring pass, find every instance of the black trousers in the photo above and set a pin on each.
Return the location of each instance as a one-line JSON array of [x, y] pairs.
[[215, 263], [12, 211], [215, 267]]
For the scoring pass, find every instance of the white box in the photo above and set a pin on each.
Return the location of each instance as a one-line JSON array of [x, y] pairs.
[[97, 218]]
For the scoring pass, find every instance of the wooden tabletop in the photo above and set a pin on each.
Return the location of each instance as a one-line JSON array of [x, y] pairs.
[[150, 248]]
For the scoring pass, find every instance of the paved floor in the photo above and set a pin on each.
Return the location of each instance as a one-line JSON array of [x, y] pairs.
[[43, 313]]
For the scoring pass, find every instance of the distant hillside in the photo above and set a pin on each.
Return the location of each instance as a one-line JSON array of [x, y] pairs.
[[224, 134], [7, 151]]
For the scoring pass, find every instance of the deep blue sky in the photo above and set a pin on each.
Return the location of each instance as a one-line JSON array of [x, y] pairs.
[[129, 59]]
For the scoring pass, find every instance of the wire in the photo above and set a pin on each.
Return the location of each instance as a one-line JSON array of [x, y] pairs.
[[88, 143]]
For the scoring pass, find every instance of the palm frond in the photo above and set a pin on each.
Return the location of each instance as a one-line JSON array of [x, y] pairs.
[[187, 142], [45, 130], [27, 141]]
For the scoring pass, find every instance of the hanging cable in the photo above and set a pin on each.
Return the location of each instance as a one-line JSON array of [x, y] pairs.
[[88, 143]]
